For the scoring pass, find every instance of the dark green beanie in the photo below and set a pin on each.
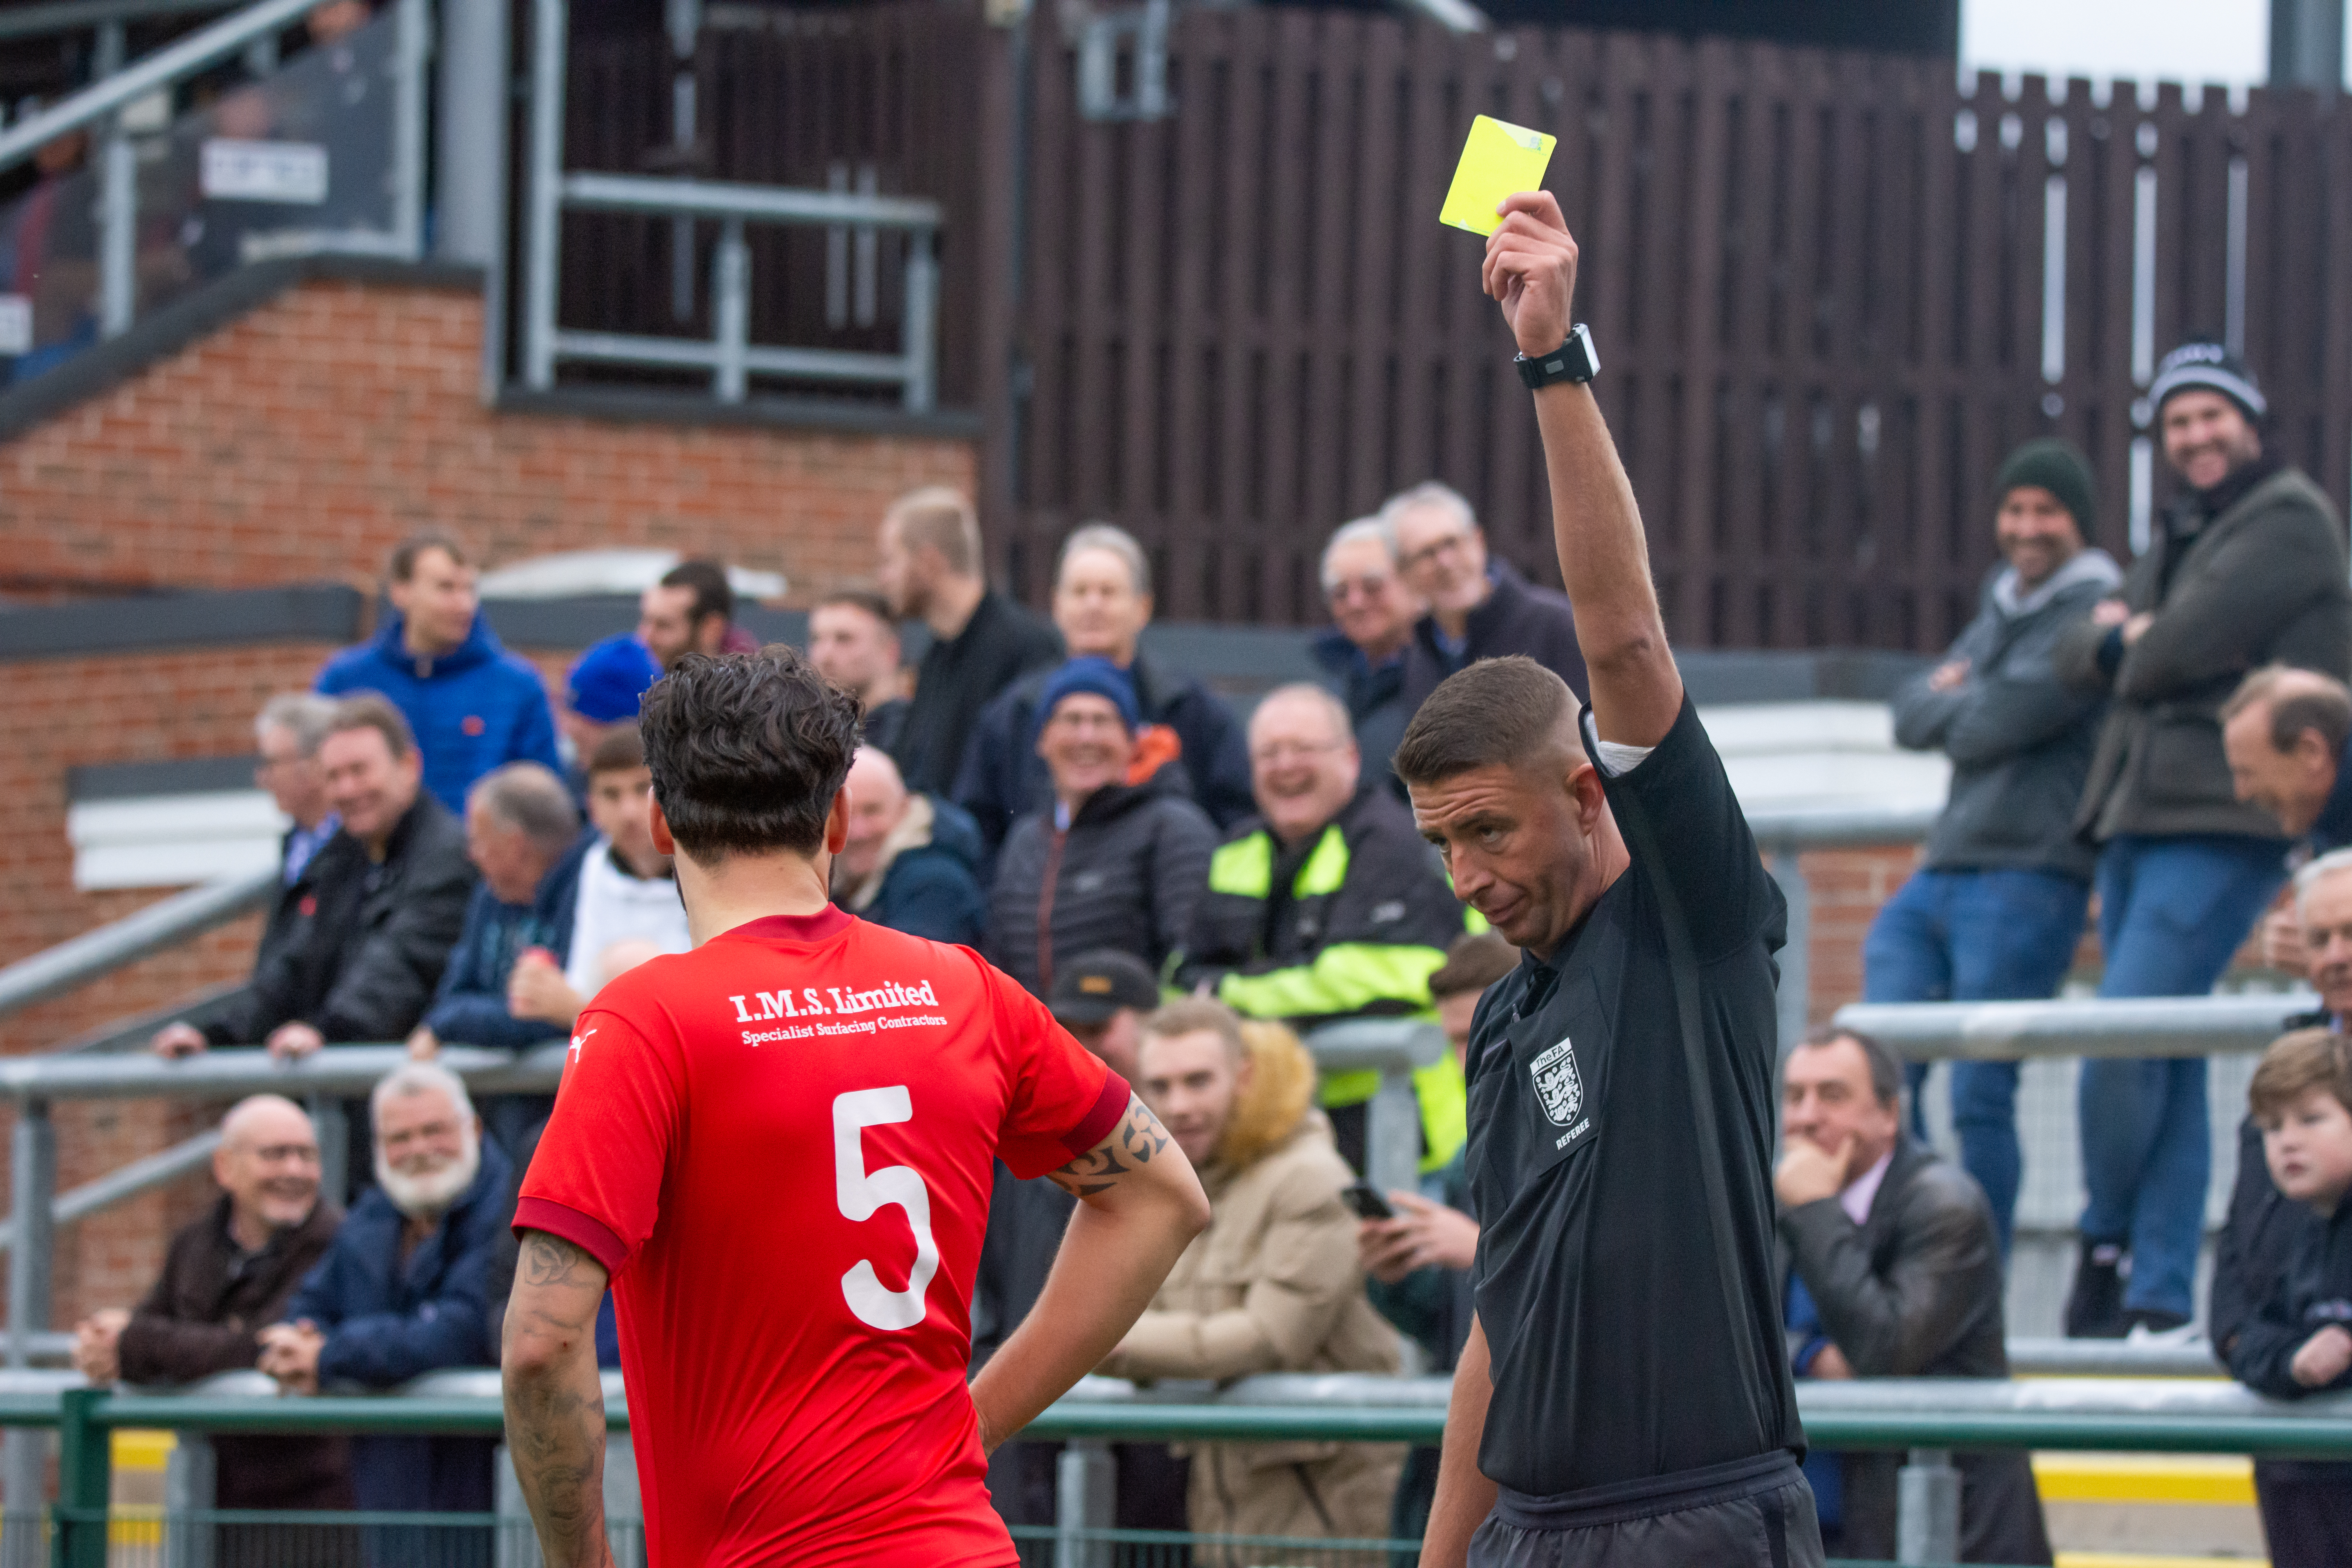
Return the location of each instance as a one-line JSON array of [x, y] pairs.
[[2057, 467]]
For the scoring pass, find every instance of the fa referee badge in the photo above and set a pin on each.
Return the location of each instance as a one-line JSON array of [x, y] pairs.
[[1558, 1085]]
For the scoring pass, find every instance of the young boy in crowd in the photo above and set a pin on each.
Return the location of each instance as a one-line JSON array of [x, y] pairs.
[[2301, 1341], [629, 909]]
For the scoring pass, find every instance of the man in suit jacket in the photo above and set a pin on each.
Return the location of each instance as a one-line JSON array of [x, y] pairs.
[[1893, 1270]]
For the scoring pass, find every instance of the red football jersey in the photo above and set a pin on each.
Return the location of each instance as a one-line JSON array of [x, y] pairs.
[[780, 1144]]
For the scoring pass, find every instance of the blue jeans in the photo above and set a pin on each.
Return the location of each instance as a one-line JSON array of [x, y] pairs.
[[2172, 911], [1994, 935]]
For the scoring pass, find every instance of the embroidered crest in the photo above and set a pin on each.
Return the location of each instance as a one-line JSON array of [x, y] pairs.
[[1557, 1084]]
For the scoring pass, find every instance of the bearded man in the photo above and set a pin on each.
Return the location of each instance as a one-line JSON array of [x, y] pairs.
[[403, 1292]]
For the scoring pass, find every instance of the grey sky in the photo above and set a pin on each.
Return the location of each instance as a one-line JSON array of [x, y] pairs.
[[2225, 41]]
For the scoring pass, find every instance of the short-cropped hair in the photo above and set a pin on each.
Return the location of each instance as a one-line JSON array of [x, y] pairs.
[[373, 710], [2334, 863], [1498, 712], [1117, 541], [1432, 493], [1321, 696], [303, 715], [2312, 700], [2294, 1066], [420, 1078], [748, 750], [1473, 963], [402, 566], [942, 519], [620, 751], [529, 797], [1197, 1015], [707, 580], [1885, 1067], [1379, 528], [873, 604]]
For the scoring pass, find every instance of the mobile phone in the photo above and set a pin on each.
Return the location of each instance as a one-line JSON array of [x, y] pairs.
[[1367, 1201]]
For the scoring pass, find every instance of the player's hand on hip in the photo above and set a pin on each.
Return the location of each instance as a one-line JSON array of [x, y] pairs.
[[1530, 270]]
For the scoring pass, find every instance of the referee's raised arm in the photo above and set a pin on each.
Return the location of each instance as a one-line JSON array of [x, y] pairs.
[[1530, 270]]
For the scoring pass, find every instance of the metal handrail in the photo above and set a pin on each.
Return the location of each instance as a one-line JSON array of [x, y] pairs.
[[2105, 1026], [165, 924], [204, 47], [760, 203], [1779, 829]]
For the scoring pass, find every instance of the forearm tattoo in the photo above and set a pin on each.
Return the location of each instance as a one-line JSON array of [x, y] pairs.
[[555, 1414], [1136, 1140]]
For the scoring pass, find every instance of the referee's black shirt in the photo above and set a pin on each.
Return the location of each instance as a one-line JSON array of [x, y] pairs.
[[1615, 1345]]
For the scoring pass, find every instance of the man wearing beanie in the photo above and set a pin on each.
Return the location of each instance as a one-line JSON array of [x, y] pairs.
[[1996, 906], [2246, 568], [599, 697]]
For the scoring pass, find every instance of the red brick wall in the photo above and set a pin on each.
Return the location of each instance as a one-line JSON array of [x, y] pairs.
[[303, 440]]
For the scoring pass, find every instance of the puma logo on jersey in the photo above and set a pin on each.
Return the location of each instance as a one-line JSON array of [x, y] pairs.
[[579, 1040]]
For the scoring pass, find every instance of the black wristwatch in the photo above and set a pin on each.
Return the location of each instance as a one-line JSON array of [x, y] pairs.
[[1572, 361]]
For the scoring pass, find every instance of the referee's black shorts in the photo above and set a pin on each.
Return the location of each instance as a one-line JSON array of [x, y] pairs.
[[1752, 1513]]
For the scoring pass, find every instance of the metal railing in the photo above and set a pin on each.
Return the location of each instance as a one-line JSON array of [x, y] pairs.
[[98, 108], [1784, 836], [1930, 1417], [2107, 1026], [165, 924], [728, 354]]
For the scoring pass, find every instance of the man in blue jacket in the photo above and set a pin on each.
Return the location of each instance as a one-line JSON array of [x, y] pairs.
[[401, 1292], [523, 835], [472, 704]]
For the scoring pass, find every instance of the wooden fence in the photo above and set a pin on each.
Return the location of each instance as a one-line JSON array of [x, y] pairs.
[[1829, 290]]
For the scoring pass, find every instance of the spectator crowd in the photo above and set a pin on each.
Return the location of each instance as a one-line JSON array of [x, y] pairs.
[[1191, 892]]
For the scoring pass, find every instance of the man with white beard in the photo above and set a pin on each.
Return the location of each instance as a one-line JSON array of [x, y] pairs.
[[401, 1292]]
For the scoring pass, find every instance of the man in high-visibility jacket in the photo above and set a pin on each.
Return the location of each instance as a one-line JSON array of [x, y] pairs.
[[1329, 905]]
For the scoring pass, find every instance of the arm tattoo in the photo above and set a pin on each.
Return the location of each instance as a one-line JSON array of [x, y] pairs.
[[1137, 1138], [551, 1260]]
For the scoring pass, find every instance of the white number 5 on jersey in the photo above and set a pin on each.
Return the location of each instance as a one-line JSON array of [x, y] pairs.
[[862, 1192]]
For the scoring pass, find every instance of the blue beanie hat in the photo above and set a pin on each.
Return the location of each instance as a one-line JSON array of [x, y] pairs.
[[1097, 676], [611, 677]]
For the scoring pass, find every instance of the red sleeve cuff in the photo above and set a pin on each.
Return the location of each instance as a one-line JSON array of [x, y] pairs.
[[1097, 1123], [582, 1230]]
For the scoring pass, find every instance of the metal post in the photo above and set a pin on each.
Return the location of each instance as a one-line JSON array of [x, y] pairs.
[[333, 1130], [84, 1481], [412, 47], [470, 164], [1927, 1509], [922, 323], [1796, 965], [541, 264], [731, 310], [118, 205], [1392, 1133], [1085, 1485], [25, 1454], [191, 1486], [684, 21], [2307, 45]]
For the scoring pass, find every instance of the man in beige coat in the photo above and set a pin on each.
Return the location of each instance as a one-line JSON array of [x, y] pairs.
[[1272, 1285]]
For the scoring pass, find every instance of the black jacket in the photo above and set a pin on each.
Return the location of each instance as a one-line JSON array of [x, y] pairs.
[[1351, 922], [2313, 1291], [1126, 875], [1375, 700], [1517, 618], [1916, 1291], [201, 1318], [368, 941], [1003, 777], [2262, 580], [2019, 737], [958, 677], [2251, 1254]]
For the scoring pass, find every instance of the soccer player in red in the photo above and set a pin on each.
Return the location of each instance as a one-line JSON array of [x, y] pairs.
[[777, 1148]]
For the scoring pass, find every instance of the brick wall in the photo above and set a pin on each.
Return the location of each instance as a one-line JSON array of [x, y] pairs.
[[304, 439]]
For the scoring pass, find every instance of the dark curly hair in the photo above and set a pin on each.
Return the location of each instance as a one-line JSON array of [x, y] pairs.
[[748, 750]]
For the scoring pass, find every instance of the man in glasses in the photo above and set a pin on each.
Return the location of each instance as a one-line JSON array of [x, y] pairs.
[[1372, 611], [1478, 607]]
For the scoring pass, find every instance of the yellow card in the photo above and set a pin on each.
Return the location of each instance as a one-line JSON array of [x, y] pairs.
[[1499, 160]]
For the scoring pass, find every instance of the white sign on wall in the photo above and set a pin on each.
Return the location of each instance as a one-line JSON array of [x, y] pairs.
[[15, 324], [294, 173]]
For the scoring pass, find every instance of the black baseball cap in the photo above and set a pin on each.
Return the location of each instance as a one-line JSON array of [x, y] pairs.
[[1089, 988]]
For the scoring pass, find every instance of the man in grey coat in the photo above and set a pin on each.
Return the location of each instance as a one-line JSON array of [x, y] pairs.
[[1889, 1269], [2247, 568], [1995, 909]]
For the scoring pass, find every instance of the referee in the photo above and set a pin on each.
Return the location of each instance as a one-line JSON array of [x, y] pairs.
[[1623, 1398]]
